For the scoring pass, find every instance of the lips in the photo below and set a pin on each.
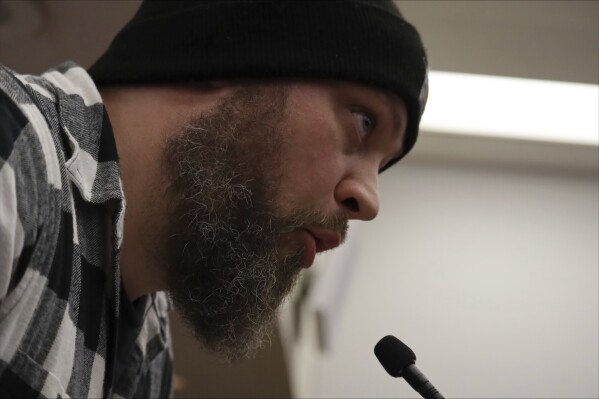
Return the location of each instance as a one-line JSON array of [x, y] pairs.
[[325, 239], [318, 240]]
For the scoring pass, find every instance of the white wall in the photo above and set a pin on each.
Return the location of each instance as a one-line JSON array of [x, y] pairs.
[[487, 268]]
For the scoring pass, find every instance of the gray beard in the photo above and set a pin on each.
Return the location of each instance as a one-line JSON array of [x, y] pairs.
[[226, 268]]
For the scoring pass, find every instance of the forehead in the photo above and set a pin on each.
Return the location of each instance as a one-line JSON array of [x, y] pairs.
[[344, 90]]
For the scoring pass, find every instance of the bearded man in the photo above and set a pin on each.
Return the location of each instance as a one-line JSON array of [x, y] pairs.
[[205, 158]]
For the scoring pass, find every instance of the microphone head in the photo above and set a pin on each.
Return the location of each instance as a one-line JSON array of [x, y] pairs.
[[394, 355]]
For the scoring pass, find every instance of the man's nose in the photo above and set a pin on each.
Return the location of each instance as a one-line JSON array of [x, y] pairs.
[[358, 195]]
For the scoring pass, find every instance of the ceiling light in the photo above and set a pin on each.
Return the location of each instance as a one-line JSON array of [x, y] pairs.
[[513, 108]]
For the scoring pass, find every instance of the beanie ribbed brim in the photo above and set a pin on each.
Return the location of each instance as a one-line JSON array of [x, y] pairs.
[[360, 41]]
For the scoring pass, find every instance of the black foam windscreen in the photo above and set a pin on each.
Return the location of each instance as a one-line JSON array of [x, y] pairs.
[[394, 355]]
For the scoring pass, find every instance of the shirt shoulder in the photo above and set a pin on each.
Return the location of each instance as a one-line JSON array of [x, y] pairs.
[[57, 170], [29, 171]]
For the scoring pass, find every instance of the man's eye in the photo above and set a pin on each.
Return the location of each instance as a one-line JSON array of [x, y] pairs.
[[365, 122]]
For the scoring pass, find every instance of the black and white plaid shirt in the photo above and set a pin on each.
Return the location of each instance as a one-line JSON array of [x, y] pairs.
[[67, 328]]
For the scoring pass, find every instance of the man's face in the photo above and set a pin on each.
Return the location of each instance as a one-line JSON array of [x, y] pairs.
[[260, 184]]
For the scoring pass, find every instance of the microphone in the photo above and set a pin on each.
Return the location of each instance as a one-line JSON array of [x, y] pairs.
[[398, 360]]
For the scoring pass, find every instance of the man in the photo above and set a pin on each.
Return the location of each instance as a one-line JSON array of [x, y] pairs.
[[211, 152]]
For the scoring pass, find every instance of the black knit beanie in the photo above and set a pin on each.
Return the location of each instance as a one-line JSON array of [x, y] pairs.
[[365, 41]]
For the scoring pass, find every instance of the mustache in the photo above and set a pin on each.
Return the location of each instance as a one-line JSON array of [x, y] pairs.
[[310, 218]]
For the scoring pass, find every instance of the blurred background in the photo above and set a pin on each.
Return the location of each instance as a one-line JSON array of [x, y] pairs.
[[484, 257]]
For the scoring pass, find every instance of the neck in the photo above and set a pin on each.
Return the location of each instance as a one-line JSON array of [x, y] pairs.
[[138, 148], [142, 119]]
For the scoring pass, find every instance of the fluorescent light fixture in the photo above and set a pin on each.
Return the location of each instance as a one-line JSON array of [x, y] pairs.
[[514, 108]]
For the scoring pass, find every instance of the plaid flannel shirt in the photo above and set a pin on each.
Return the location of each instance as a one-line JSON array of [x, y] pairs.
[[67, 328]]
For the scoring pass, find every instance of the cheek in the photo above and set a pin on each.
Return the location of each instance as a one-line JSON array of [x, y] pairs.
[[312, 153], [310, 176]]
